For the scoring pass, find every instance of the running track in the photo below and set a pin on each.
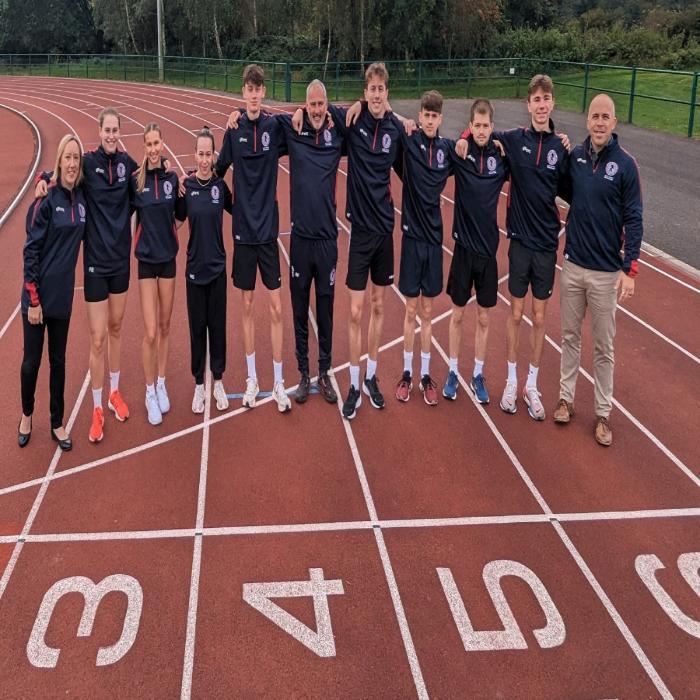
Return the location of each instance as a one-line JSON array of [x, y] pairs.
[[398, 545]]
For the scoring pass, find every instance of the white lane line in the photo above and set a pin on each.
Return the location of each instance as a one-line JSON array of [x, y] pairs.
[[10, 319], [353, 525], [30, 176], [41, 493], [615, 615], [399, 611], [188, 663]]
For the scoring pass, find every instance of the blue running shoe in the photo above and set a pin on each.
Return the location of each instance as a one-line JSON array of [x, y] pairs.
[[449, 391], [478, 386]]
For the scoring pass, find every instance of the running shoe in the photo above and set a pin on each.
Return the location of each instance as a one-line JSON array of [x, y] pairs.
[[117, 405], [155, 415], [510, 394], [96, 426], [352, 403], [534, 406], [325, 387], [371, 388], [404, 386], [429, 389], [478, 386], [449, 391], [302, 392], [198, 399], [220, 396], [162, 396], [280, 396], [251, 392]]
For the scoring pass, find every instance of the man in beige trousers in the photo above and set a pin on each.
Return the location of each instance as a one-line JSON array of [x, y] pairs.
[[605, 218]]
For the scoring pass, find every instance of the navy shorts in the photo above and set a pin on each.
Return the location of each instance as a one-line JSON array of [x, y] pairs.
[[165, 270], [371, 254], [247, 259], [97, 288], [421, 268], [533, 268], [469, 270]]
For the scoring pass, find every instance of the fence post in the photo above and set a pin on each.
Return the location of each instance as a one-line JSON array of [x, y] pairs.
[[337, 80], [68, 62], [205, 73], [274, 80], [287, 83], [226, 79], [420, 76], [693, 100], [12, 70], [48, 63], [518, 71], [106, 68], [143, 63], [585, 89], [124, 66], [632, 89], [469, 78]]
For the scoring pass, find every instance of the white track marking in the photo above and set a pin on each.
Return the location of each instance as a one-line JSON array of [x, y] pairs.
[[10, 319], [37, 157]]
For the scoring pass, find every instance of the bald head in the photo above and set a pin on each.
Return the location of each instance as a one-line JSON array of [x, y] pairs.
[[316, 103], [601, 121]]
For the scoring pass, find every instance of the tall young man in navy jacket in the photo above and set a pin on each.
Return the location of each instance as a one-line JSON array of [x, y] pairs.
[[254, 149], [602, 184], [537, 156]]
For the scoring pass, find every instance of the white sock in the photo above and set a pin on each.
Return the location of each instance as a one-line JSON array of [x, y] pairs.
[[453, 365], [113, 381], [355, 376], [161, 382], [150, 389], [408, 362], [512, 374], [532, 376], [97, 398], [277, 369], [478, 367], [424, 363], [250, 361], [371, 368]]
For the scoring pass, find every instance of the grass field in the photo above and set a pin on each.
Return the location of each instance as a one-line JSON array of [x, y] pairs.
[[661, 99]]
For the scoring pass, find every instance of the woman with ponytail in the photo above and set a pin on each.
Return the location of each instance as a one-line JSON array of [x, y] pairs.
[[154, 195], [206, 197]]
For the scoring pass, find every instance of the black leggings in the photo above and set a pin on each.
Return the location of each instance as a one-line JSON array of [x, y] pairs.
[[33, 348]]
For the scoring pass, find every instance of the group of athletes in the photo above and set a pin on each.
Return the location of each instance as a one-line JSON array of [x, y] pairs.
[[106, 200]]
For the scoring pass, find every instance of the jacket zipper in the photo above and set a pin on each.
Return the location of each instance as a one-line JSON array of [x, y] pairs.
[[539, 151], [374, 142]]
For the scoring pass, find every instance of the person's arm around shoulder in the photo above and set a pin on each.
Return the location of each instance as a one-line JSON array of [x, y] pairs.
[[181, 201], [228, 197], [225, 157]]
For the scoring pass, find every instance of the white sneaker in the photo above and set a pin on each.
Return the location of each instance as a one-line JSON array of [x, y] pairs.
[[280, 395], [534, 406], [509, 397], [198, 399], [155, 415], [162, 396], [251, 391], [220, 396]]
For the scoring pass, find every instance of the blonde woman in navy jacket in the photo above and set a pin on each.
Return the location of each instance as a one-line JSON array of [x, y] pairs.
[[153, 195], [55, 229]]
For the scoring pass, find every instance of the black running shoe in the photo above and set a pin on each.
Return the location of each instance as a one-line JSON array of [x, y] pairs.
[[302, 393], [326, 389], [352, 403], [371, 388]]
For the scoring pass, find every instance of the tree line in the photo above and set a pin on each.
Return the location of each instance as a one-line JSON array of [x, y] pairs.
[[661, 33]]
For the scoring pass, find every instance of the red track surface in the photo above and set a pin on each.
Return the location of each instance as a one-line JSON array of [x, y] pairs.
[[405, 511]]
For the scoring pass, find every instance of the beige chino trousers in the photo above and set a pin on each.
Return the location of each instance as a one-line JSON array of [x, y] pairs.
[[582, 290]]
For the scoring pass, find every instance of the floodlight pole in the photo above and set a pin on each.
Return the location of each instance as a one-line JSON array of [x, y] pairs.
[[159, 9]]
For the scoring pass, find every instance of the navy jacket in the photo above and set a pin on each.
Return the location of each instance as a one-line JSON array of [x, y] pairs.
[[253, 149], [108, 231], [374, 146], [478, 183], [606, 209], [425, 166], [156, 240], [536, 160], [203, 206], [55, 228], [313, 166]]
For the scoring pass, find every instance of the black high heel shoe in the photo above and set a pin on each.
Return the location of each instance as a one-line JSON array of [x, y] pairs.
[[66, 445], [23, 438]]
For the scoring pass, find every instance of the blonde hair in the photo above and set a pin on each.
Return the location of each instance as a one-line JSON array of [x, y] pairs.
[[109, 112], [59, 156], [141, 177], [377, 70]]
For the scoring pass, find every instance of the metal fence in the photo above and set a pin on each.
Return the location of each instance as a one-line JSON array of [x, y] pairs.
[[654, 98]]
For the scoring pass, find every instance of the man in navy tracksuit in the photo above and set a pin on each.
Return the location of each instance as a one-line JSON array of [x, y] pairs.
[[479, 179], [602, 184], [536, 156], [373, 147], [424, 169], [314, 154], [254, 149]]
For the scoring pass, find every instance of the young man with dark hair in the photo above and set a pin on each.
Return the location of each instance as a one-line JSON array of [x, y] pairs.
[[424, 169], [254, 149], [478, 182], [536, 157]]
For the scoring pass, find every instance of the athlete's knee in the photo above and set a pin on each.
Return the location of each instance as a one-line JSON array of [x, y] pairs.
[[483, 319], [247, 304], [150, 336], [97, 341], [538, 318], [516, 315], [115, 328], [164, 328], [275, 311]]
